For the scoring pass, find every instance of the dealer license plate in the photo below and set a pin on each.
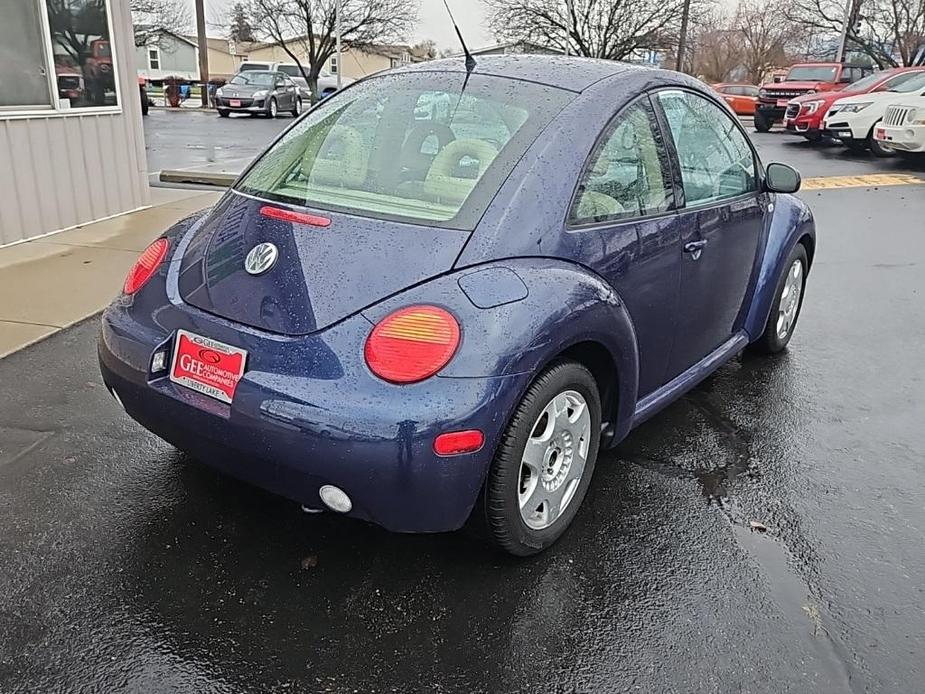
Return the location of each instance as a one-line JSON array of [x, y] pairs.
[[208, 366], [782, 103], [235, 103]]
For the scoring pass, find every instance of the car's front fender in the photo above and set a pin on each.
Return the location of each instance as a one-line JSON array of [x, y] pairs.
[[517, 315], [791, 222]]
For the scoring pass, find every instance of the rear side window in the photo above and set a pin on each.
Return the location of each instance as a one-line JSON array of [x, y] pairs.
[[427, 147], [627, 173], [716, 160]]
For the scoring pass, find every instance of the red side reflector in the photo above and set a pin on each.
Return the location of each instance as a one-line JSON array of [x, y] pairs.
[[412, 344], [294, 217], [459, 442], [146, 265]]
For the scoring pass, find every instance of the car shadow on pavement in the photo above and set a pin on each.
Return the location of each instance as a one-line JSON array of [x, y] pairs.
[[321, 596]]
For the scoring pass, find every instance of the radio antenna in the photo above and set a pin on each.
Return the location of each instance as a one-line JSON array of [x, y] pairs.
[[470, 61]]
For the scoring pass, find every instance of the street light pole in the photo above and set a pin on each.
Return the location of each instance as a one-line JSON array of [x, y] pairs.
[[682, 40], [339, 29], [203, 53]]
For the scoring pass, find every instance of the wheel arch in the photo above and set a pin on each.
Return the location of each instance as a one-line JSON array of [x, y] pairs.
[[791, 223]]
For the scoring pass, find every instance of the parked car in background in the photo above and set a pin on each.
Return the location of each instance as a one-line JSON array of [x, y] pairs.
[[70, 84], [742, 98], [852, 119], [259, 92], [805, 114], [804, 78], [903, 127], [599, 239], [327, 83]]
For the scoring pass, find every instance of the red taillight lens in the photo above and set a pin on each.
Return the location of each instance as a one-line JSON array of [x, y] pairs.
[[145, 266], [459, 442], [412, 344]]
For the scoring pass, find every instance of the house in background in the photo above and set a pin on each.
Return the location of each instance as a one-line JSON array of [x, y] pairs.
[[357, 61], [166, 54]]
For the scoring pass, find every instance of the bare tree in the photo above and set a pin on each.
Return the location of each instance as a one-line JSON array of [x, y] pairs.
[[611, 29], [240, 29], [767, 35], [305, 29], [715, 52], [151, 17], [890, 32]]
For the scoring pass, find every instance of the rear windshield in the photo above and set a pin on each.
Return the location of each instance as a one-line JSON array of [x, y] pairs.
[[291, 70], [863, 84], [811, 74], [409, 147], [260, 79], [913, 84]]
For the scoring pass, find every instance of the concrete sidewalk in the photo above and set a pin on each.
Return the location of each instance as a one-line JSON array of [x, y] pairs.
[[51, 283]]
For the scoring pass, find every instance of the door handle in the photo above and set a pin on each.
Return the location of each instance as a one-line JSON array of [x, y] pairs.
[[695, 246]]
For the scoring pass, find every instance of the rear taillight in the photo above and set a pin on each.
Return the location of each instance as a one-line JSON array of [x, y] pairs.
[[145, 267], [412, 344]]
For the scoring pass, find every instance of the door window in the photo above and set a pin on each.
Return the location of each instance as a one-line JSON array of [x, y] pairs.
[[713, 152], [626, 176]]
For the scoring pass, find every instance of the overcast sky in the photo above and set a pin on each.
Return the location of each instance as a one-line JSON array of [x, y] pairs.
[[433, 22]]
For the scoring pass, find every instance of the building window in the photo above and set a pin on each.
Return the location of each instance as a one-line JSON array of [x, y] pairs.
[[57, 55], [154, 58], [334, 66]]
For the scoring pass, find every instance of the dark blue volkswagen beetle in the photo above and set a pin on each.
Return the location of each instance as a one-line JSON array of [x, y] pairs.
[[439, 294]]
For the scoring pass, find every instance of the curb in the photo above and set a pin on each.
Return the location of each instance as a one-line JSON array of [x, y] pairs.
[[203, 178]]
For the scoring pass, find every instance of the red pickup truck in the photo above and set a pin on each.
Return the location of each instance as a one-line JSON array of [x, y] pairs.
[[804, 78]]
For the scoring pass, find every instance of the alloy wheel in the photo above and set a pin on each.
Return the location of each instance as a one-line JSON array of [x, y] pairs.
[[554, 459], [789, 305]]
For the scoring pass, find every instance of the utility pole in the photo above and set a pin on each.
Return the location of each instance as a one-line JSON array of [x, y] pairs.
[[843, 39], [203, 53], [682, 41], [339, 29], [569, 24]]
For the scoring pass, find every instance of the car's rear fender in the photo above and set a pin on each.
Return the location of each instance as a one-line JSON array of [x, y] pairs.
[[518, 315], [791, 223]]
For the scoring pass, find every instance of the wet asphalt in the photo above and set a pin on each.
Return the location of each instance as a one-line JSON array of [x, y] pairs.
[[766, 533]]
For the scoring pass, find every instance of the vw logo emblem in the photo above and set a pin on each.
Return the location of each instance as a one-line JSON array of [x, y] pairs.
[[261, 259]]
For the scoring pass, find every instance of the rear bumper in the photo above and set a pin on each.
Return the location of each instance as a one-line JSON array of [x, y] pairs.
[[247, 106], [903, 138], [291, 430]]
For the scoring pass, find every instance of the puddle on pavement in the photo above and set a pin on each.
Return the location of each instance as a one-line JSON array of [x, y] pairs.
[[712, 450]]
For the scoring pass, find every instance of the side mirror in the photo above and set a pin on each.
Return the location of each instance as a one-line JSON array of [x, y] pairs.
[[780, 178]]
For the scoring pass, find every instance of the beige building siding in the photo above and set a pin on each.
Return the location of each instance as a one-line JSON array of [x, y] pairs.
[[59, 171], [357, 63]]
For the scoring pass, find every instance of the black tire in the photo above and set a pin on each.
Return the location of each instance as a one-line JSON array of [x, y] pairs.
[[272, 108], [770, 341], [762, 123], [296, 108], [877, 149], [856, 146], [223, 113], [497, 512]]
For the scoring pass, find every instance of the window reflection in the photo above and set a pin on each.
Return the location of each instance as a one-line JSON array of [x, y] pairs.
[[82, 52]]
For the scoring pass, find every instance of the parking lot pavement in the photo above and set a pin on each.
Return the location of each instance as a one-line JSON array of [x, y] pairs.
[[180, 139], [763, 534]]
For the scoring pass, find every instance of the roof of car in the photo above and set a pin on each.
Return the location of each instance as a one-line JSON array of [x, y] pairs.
[[575, 74]]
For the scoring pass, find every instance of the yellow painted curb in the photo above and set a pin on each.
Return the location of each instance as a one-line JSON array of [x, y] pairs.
[[833, 182]]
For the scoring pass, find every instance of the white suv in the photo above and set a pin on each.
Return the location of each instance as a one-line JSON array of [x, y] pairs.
[[903, 126], [853, 118]]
